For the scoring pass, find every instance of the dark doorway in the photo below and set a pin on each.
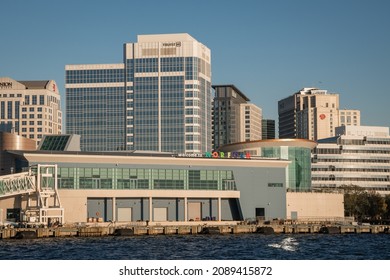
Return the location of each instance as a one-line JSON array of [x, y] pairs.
[[260, 213]]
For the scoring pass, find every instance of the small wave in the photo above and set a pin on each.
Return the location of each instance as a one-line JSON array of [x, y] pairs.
[[287, 244]]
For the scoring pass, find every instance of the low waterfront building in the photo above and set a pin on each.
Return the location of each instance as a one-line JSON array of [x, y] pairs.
[[315, 206], [296, 151], [358, 155], [120, 186], [141, 186]]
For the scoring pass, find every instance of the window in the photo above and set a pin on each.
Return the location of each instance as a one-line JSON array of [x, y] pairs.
[[13, 214], [275, 185]]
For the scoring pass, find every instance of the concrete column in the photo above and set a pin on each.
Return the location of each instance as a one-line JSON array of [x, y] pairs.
[[185, 209], [150, 209], [114, 209], [219, 209]]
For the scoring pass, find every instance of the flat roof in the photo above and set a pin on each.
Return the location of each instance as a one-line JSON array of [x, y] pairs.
[[139, 158], [35, 84], [235, 89], [304, 143]]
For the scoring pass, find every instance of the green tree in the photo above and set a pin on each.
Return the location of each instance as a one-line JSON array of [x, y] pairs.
[[386, 215], [352, 200], [377, 205], [362, 204]]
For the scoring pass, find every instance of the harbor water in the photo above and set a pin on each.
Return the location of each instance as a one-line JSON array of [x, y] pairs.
[[202, 247]]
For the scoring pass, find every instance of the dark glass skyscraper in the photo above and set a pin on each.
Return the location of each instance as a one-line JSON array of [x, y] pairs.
[[267, 129], [159, 99], [235, 119]]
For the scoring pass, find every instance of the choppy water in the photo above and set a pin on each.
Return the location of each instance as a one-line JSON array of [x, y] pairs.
[[198, 247]]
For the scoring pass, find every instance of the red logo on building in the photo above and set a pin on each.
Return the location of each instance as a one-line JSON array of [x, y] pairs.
[[322, 116]]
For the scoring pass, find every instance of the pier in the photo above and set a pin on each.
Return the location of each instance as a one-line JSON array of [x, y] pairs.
[[144, 228]]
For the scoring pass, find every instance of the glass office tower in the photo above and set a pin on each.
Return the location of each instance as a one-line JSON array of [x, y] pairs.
[[163, 91], [95, 105], [168, 91]]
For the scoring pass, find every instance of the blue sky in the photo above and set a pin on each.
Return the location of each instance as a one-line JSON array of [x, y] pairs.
[[268, 49]]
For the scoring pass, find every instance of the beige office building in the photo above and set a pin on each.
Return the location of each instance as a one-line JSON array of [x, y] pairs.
[[30, 108], [250, 122], [310, 114], [349, 117], [235, 119]]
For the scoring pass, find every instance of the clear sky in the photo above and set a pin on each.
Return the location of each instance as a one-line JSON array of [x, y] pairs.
[[268, 49]]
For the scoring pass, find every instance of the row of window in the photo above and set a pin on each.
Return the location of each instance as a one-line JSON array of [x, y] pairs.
[[34, 99], [374, 188], [149, 178], [94, 76], [366, 170], [32, 136], [11, 95], [346, 179], [372, 160], [320, 151]]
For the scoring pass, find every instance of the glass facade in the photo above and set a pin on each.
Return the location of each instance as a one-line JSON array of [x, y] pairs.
[[167, 107], [299, 170], [141, 178], [158, 100], [54, 143], [97, 112]]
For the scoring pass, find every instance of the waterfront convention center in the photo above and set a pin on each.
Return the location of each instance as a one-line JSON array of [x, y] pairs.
[[62, 183]]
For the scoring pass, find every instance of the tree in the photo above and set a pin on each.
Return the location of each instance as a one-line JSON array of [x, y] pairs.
[[386, 215], [352, 200], [377, 205], [362, 204]]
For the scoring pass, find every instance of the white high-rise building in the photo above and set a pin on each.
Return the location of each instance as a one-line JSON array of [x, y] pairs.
[[358, 155], [30, 108]]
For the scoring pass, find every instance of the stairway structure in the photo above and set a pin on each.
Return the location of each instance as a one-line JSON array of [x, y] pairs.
[[39, 189]]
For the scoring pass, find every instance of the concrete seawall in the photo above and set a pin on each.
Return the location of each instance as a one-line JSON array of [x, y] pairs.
[[88, 230]]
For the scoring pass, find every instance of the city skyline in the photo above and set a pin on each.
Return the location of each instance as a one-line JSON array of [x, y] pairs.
[[268, 50]]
